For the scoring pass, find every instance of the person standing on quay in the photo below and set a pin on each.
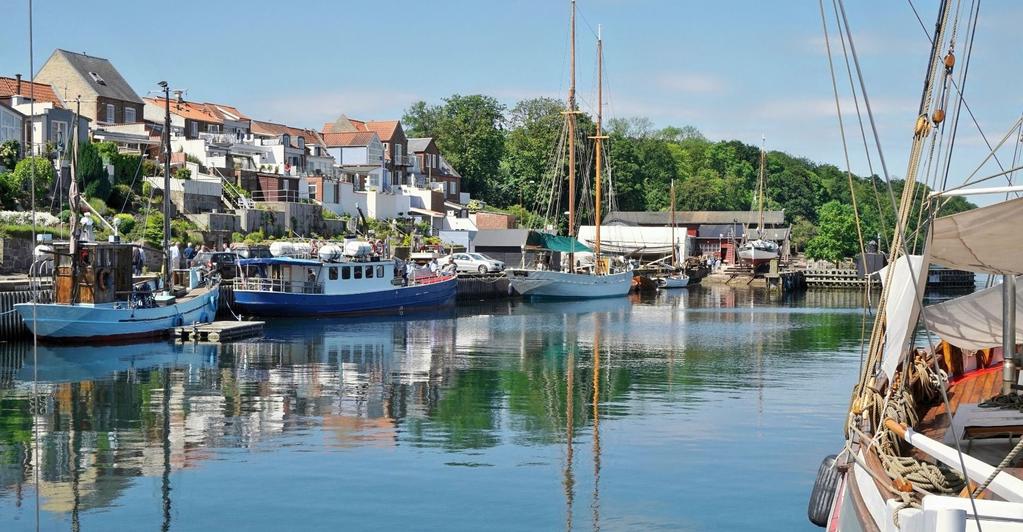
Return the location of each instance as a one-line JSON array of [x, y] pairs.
[[174, 252]]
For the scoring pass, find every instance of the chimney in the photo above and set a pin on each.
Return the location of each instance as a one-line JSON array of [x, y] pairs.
[[17, 89], [179, 95]]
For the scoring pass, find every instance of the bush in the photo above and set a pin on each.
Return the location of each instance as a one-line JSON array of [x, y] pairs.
[[120, 198], [150, 167], [181, 227], [9, 153], [153, 232], [99, 205], [182, 173], [255, 237], [64, 216], [10, 191], [25, 231], [39, 167], [237, 237], [25, 218], [125, 223], [98, 189]]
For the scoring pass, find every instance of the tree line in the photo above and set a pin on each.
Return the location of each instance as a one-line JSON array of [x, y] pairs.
[[503, 155]]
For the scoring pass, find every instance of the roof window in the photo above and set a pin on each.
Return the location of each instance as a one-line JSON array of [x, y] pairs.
[[97, 78]]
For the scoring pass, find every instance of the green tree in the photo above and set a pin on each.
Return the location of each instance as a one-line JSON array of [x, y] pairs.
[[836, 233], [91, 173], [803, 231], [29, 168], [469, 132], [9, 152], [533, 129]]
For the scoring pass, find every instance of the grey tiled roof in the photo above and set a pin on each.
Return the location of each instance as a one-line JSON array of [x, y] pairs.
[[112, 86]]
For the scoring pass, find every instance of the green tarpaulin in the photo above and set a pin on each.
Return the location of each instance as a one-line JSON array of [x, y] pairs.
[[563, 244]]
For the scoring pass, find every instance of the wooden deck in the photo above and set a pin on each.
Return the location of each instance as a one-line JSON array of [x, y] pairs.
[[219, 331], [973, 389]]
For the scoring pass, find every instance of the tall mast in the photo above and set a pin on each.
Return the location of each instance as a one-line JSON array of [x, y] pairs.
[[762, 186], [571, 144], [674, 259], [599, 138], [166, 187]]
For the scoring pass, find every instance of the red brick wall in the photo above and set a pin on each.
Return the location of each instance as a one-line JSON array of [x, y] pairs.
[[490, 220]]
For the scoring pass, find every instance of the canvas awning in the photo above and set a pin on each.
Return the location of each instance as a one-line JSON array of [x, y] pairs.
[[426, 212], [973, 321], [980, 240], [562, 244], [900, 309]]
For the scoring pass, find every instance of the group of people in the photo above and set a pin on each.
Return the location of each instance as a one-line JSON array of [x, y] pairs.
[[180, 257]]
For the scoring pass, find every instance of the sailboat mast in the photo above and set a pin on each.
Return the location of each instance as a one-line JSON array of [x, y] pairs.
[[166, 188], [763, 164], [674, 257], [571, 143], [600, 142]]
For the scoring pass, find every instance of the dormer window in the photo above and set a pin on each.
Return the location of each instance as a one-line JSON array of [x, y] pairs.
[[97, 78], [301, 142]]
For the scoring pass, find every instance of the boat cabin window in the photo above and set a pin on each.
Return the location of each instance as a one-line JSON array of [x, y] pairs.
[[332, 273], [369, 272], [358, 271], [346, 272], [380, 272]]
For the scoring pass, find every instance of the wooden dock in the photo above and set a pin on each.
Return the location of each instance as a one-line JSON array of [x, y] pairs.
[[837, 278], [474, 286], [218, 331]]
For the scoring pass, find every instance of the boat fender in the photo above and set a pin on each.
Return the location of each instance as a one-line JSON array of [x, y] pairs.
[[103, 279], [178, 321], [823, 494]]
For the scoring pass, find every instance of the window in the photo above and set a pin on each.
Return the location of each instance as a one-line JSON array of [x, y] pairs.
[[346, 272], [358, 271], [312, 190], [111, 114], [397, 153], [213, 128], [97, 78], [129, 115], [194, 129], [380, 272], [58, 132], [369, 272], [332, 273]]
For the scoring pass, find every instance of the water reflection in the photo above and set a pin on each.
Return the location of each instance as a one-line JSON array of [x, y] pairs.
[[468, 385]]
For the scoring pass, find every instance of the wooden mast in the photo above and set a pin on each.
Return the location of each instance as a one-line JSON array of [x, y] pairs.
[[599, 138], [571, 144], [674, 259], [762, 185]]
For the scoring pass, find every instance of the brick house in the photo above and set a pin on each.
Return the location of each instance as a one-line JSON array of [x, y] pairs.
[[434, 168], [189, 119], [106, 96], [396, 154]]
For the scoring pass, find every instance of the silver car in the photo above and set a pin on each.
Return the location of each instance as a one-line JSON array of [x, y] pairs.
[[476, 263]]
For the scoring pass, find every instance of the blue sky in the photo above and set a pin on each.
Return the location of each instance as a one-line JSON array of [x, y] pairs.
[[734, 69]]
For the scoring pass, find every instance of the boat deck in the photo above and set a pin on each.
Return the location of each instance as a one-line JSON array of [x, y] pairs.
[[988, 433]]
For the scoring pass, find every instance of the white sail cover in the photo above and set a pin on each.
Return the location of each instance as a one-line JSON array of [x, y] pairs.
[[627, 239], [973, 321], [981, 240], [900, 309]]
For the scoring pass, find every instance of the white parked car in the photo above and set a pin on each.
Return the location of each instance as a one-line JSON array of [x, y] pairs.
[[475, 263]]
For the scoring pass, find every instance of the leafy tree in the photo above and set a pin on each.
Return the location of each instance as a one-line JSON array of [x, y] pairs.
[[9, 152], [836, 234], [91, 173], [39, 168], [803, 231], [534, 127], [468, 131]]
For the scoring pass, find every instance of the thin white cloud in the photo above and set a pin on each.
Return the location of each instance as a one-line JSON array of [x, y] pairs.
[[313, 109]]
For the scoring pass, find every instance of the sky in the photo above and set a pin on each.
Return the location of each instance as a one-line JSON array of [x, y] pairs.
[[734, 69]]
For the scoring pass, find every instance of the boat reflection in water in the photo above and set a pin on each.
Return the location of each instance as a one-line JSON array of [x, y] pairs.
[[523, 393]]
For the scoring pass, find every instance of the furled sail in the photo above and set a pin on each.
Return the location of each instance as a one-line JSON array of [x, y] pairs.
[[981, 240], [901, 309], [973, 321]]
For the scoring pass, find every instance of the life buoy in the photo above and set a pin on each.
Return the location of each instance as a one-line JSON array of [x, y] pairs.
[[84, 256], [103, 279]]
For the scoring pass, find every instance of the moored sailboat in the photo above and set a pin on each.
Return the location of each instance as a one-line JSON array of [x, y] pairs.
[[599, 281], [676, 279], [938, 391]]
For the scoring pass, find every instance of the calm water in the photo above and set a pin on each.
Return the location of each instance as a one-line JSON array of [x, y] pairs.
[[706, 409]]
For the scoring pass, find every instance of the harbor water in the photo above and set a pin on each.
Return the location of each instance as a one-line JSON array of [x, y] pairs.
[[707, 408]]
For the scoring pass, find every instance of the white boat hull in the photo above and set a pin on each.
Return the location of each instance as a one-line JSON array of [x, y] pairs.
[[543, 283], [86, 322], [680, 281]]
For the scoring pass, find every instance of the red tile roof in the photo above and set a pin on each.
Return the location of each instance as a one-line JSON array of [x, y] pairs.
[[385, 129], [272, 129], [349, 138], [190, 110], [40, 91]]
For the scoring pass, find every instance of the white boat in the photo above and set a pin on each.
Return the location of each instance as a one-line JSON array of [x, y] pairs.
[[673, 281], [552, 284], [598, 281], [932, 432], [759, 251]]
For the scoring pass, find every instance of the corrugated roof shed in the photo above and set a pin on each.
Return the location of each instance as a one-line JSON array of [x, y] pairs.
[[692, 217]]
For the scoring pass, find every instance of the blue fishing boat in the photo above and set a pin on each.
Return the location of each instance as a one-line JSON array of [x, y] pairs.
[[353, 282]]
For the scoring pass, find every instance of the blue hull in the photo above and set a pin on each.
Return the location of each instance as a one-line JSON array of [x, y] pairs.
[[399, 299]]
